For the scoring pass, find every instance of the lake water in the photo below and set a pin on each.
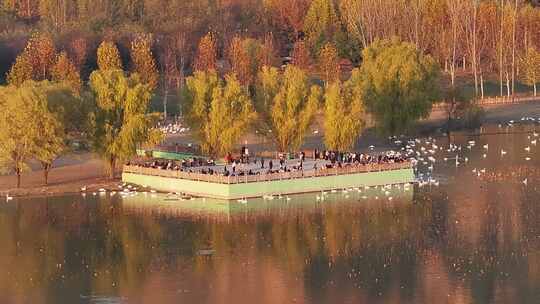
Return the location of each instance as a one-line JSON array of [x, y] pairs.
[[471, 239]]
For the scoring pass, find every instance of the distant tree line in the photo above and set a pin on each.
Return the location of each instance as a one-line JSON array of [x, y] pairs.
[[486, 38]]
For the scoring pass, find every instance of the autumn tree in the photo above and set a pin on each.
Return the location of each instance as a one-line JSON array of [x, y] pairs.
[[321, 24], [329, 63], [286, 103], [35, 61], [219, 112], [143, 61], [247, 56], [300, 56], [344, 114], [241, 62], [398, 83], [65, 71], [32, 127], [121, 122], [78, 50], [21, 71], [206, 54], [108, 56], [268, 54], [288, 14], [231, 113], [530, 68]]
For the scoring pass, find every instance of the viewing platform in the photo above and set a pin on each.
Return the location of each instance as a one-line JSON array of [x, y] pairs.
[[259, 185]]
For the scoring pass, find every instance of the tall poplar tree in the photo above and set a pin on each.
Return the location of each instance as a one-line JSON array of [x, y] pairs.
[[219, 112], [329, 63], [143, 61], [120, 121], [108, 56], [530, 68], [206, 54], [287, 104], [344, 114], [65, 71]]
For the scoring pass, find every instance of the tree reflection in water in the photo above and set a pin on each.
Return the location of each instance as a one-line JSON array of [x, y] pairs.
[[468, 241]]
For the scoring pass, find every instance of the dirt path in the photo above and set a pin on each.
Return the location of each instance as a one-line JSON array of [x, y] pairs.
[[70, 174]]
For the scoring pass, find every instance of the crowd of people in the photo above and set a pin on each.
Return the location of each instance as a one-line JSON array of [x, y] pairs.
[[183, 165], [244, 165]]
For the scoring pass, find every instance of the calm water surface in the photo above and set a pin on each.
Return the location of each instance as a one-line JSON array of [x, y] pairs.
[[472, 239]]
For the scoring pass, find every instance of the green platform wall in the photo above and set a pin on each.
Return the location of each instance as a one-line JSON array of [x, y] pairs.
[[258, 189]]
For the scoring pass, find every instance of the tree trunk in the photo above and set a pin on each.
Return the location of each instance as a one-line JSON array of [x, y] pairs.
[[165, 105], [514, 50], [18, 172], [501, 49], [534, 87], [482, 85], [112, 165], [507, 84], [46, 169], [46, 176], [474, 56]]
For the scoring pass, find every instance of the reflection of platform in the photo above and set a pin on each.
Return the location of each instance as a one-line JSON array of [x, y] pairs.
[[215, 186], [161, 203]]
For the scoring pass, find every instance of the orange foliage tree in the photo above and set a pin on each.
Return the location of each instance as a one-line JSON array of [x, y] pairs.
[[206, 54]]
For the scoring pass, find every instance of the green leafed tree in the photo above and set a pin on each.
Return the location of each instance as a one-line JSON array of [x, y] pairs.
[[344, 115], [120, 121], [287, 104], [530, 64], [33, 125], [231, 113], [219, 112], [399, 84], [108, 56]]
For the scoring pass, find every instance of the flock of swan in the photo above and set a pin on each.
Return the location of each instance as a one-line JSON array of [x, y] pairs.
[[424, 153]]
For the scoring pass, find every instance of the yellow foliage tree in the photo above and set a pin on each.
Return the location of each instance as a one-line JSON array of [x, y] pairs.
[[287, 104], [108, 56], [121, 122], [21, 71], [219, 113], [32, 126], [329, 63], [530, 63], [344, 114]]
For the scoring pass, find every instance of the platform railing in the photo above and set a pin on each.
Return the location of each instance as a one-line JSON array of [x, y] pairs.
[[265, 177]]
